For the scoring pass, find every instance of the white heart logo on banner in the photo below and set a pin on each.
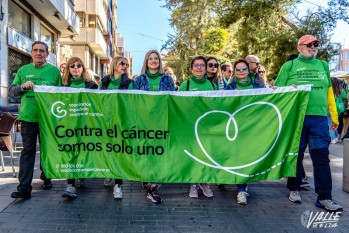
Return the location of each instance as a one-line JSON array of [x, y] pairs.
[[231, 169]]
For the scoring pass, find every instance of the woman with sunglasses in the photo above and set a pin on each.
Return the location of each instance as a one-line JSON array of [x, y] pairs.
[[262, 73], [198, 81], [75, 75], [214, 74], [153, 78], [242, 82], [117, 79]]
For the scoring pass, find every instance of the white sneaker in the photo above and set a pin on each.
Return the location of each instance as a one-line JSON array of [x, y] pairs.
[[193, 192], [108, 182], [242, 198], [295, 196], [328, 205], [334, 141], [69, 192], [117, 191]]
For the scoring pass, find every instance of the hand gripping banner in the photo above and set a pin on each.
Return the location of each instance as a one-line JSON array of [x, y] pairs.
[[226, 137]]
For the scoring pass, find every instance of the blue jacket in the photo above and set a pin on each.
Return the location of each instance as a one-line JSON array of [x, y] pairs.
[[232, 85], [142, 83]]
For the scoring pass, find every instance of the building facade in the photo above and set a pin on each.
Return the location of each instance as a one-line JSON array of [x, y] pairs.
[[22, 23], [121, 50], [96, 44], [345, 59]]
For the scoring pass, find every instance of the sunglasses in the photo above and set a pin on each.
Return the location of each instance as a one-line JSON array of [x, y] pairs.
[[75, 66], [212, 65], [316, 44], [241, 69], [261, 72], [257, 63], [124, 64], [199, 65]]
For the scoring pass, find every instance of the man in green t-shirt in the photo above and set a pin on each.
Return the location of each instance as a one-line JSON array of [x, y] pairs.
[[253, 65], [306, 69], [37, 73]]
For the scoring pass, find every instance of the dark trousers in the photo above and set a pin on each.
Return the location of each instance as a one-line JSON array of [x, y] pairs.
[[340, 126], [315, 133], [118, 181], [29, 132]]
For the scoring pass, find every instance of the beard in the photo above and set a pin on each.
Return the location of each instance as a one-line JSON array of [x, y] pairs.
[[309, 54]]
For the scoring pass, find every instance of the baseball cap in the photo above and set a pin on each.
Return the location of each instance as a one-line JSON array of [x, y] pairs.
[[307, 39]]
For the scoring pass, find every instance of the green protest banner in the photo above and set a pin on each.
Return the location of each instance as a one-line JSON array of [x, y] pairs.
[[224, 137]]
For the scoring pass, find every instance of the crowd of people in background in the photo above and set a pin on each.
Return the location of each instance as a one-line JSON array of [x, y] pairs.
[[207, 74]]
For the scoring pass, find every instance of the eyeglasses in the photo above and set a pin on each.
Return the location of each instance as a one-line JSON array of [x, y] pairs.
[[316, 44], [257, 63], [199, 65], [212, 65], [124, 64], [75, 66], [241, 69]]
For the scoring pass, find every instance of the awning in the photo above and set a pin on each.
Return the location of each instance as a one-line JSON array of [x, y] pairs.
[[339, 74]]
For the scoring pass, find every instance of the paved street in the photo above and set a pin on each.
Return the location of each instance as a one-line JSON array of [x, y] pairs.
[[95, 210]]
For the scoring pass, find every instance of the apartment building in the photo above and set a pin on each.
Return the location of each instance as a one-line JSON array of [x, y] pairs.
[[121, 50], [24, 21], [344, 59], [96, 44]]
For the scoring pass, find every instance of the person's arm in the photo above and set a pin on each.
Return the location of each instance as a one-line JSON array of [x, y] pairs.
[[11, 108], [16, 88], [282, 77], [332, 108]]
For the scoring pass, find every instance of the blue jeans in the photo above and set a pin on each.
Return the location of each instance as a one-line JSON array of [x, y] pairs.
[[315, 134], [333, 133]]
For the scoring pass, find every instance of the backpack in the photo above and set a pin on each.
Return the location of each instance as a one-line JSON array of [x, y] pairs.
[[339, 104]]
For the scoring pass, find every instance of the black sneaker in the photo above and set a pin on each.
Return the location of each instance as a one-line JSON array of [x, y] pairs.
[[21, 195], [304, 183], [47, 185], [154, 195], [82, 184], [145, 185]]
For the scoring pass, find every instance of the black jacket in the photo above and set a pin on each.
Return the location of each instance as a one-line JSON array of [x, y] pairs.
[[125, 82]]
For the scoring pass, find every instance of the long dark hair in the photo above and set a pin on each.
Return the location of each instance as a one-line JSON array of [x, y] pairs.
[[337, 86], [217, 76]]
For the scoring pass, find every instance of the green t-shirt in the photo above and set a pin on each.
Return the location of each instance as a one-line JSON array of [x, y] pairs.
[[197, 84], [154, 80], [77, 82], [47, 75], [308, 71]]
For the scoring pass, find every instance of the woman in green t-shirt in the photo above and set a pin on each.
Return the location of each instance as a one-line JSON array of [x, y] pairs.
[[198, 82], [117, 79], [75, 75], [242, 82]]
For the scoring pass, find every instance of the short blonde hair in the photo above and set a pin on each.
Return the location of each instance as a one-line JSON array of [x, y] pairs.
[[66, 73], [115, 63], [145, 62]]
